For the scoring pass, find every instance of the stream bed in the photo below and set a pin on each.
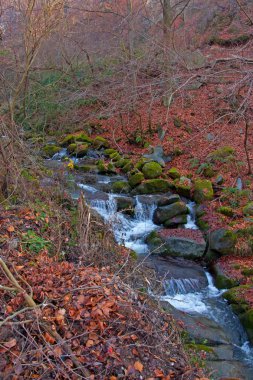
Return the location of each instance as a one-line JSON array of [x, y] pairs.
[[189, 291]]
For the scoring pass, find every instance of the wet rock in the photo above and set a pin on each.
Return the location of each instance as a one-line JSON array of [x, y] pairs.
[[184, 247], [100, 142], [165, 201], [152, 186], [174, 173], [163, 214], [125, 205], [120, 187], [135, 179], [157, 155], [221, 280], [50, 150], [176, 221], [222, 241], [183, 186]]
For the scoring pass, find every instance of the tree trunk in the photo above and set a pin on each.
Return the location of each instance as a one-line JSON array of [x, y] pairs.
[[167, 35]]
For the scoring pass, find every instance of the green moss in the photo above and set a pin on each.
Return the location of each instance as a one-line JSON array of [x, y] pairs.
[[86, 168], [247, 321], [247, 272], [238, 40], [139, 165], [152, 186], [174, 173], [115, 156], [248, 209], [101, 166], [225, 210], [128, 166], [234, 297], [100, 142], [183, 186], [203, 190], [202, 224], [199, 347], [69, 139], [72, 148], [109, 151], [50, 150], [121, 163], [152, 170], [120, 187], [135, 179], [222, 154], [224, 282], [81, 150], [82, 137]]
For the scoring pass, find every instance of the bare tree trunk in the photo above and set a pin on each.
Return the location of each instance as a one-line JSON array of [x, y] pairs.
[[167, 35], [246, 146], [131, 49]]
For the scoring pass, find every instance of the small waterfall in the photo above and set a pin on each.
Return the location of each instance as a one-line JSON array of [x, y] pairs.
[[181, 286], [106, 208], [144, 211], [191, 217]]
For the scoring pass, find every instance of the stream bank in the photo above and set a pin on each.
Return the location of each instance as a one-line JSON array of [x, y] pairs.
[[189, 292]]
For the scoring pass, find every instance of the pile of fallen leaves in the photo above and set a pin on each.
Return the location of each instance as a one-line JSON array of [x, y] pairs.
[[106, 330]]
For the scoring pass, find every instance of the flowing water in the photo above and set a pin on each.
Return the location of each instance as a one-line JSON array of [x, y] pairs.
[[185, 294]]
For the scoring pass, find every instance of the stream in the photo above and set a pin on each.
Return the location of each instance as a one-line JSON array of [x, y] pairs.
[[189, 291]]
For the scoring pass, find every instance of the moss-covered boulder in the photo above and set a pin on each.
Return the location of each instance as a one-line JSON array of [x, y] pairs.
[[152, 186], [222, 154], [82, 137], [115, 156], [222, 241], [221, 280], [176, 221], [119, 187], [247, 321], [203, 190], [155, 243], [69, 139], [139, 165], [86, 168], [183, 186], [121, 163], [163, 214], [174, 173], [50, 150], [248, 209], [152, 170], [100, 142], [135, 179]]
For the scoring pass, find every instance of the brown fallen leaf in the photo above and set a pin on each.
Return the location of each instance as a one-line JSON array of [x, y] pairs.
[[11, 343], [138, 366], [10, 228]]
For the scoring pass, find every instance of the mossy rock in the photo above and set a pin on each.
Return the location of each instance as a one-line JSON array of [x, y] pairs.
[[82, 137], [69, 139], [224, 282], [208, 172], [174, 173], [128, 166], [111, 168], [154, 242], [121, 187], [152, 186], [183, 186], [226, 210], [121, 163], [109, 151], [100, 142], [101, 166], [135, 179], [247, 322], [152, 170], [222, 241], [71, 149], [248, 209], [175, 221], [50, 150], [203, 190], [139, 165], [164, 214], [115, 156], [221, 154], [125, 205]]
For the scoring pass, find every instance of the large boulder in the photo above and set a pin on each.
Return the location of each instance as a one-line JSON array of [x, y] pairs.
[[135, 179], [168, 200], [183, 186], [203, 190], [152, 170], [163, 214], [152, 186], [50, 150], [222, 241], [120, 187], [157, 155], [100, 142], [177, 243], [176, 221]]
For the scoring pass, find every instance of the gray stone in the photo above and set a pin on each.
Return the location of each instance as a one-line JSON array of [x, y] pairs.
[[162, 214], [125, 205], [222, 241], [184, 247], [165, 201], [157, 155], [174, 222]]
